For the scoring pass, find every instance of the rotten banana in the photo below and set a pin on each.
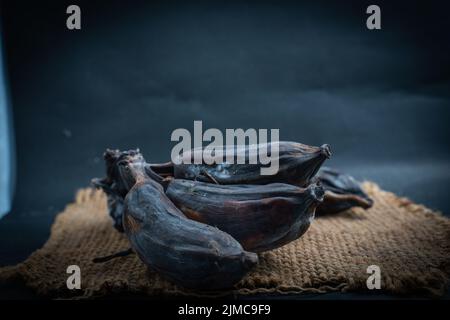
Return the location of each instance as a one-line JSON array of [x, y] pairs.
[[298, 163], [260, 217], [187, 252]]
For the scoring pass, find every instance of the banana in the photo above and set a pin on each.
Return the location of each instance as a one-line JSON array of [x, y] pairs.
[[189, 253], [260, 217], [342, 192], [298, 163]]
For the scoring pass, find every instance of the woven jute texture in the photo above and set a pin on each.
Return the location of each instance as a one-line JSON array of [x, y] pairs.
[[409, 243]]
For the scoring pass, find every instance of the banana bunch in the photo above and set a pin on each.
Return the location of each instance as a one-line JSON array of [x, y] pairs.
[[202, 226]]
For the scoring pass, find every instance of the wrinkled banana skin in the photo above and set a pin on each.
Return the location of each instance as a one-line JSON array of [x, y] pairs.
[[260, 217], [189, 253], [298, 163]]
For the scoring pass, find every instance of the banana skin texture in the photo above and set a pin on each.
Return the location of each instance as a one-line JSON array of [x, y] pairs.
[[342, 192], [298, 164], [260, 217], [189, 253]]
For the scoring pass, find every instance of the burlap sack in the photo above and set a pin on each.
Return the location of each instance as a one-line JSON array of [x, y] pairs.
[[407, 241]]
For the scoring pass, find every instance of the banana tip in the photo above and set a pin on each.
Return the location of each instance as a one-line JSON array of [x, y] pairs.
[[317, 192], [325, 149], [250, 259], [367, 203]]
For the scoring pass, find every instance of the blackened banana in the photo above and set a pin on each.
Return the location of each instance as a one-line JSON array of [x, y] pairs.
[[298, 163], [342, 192], [187, 252], [260, 217]]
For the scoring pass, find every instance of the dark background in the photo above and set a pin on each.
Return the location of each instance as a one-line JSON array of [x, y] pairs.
[[138, 70]]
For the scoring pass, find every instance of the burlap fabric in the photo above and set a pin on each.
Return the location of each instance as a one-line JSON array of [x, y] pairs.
[[409, 243]]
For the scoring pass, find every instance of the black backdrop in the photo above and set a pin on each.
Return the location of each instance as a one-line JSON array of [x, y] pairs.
[[138, 70]]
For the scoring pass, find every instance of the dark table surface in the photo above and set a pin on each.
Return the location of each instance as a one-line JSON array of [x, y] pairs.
[[135, 72]]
